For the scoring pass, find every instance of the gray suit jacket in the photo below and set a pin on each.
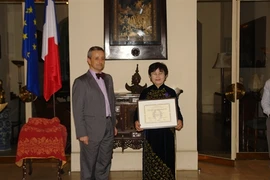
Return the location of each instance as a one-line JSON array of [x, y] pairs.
[[88, 103]]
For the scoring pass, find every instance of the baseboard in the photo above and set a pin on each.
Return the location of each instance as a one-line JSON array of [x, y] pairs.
[[252, 156], [216, 160]]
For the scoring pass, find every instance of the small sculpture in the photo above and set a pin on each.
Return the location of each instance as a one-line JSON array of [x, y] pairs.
[[2, 93], [135, 88]]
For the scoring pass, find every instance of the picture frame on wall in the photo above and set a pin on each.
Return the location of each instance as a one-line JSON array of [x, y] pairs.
[[253, 35], [135, 29]]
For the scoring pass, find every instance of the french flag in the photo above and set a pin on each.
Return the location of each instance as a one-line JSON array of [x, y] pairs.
[[50, 53]]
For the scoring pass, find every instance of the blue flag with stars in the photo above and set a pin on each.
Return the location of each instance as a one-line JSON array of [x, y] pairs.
[[29, 47]]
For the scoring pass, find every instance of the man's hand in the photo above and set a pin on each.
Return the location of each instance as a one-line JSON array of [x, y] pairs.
[[179, 125], [115, 131], [138, 126], [84, 139]]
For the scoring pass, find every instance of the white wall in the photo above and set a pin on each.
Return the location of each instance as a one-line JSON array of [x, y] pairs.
[[14, 35], [86, 29]]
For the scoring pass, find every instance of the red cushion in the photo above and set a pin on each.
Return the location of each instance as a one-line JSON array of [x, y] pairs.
[[43, 122]]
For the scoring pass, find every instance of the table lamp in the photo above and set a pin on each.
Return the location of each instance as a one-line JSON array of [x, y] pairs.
[[223, 61]]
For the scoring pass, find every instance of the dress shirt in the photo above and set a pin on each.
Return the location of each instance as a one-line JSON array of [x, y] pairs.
[[102, 86], [265, 102]]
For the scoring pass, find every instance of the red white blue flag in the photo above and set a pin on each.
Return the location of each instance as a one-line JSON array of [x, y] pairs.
[[50, 52]]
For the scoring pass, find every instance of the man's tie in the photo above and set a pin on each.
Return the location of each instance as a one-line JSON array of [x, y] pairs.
[[100, 75]]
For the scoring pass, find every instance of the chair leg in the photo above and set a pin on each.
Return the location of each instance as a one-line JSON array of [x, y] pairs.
[[255, 139], [60, 170], [30, 166], [24, 170], [247, 139]]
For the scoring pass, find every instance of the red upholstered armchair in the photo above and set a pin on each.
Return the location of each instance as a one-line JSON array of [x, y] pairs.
[[42, 138]]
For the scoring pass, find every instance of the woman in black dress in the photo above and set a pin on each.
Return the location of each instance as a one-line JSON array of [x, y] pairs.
[[159, 144]]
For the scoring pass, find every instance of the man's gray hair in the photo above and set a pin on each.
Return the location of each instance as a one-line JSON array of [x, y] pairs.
[[94, 48]]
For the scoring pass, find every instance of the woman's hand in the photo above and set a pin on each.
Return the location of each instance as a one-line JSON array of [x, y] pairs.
[[138, 126], [179, 125]]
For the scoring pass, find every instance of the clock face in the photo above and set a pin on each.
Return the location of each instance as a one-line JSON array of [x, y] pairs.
[[135, 51]]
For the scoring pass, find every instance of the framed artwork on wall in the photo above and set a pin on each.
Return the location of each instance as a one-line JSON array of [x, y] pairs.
[[253, 43], [135, 29]]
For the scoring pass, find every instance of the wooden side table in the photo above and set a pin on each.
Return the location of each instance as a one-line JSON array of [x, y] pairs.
[[41, 138]]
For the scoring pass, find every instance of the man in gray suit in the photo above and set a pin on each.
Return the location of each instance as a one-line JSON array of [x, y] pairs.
[[93, 104]]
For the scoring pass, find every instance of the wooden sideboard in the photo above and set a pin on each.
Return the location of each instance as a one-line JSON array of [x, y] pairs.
[[127, 136]]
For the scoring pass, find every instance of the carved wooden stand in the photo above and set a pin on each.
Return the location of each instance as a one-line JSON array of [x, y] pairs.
[[125, 142], [127, 136]]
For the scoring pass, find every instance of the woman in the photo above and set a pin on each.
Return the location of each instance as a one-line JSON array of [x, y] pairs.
[[159, 144]]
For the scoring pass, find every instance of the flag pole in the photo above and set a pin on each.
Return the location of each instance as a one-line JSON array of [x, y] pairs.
[[53, 105]]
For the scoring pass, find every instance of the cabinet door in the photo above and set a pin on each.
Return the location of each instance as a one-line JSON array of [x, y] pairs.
[[125, 118]]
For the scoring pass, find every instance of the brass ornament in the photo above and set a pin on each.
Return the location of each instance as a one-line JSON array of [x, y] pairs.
[[2, 106], [26, 96], [230, 92], [3, 102], [2, 93]]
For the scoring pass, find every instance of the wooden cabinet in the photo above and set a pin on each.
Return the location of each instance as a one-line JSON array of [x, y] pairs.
[[125, 108]]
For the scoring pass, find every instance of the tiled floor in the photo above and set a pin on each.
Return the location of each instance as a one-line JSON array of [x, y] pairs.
[[243, 170]]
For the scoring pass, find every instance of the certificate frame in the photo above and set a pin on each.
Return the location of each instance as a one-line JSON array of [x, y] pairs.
[[159, 113]]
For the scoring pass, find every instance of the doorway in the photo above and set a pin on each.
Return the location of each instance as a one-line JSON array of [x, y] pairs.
[[225, 126]]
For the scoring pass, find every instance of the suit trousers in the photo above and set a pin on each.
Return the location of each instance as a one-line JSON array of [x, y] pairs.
[[95, 158]]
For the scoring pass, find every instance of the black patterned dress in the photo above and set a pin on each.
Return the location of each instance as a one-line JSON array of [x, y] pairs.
[[159, 144]]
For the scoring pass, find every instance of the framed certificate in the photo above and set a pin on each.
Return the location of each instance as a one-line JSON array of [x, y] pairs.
[[159, 113]]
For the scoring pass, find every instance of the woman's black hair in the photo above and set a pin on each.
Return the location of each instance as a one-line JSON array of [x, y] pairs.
[[158, 65]]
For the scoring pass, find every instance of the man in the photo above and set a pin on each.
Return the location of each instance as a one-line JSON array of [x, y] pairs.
[[94, 116], [265, 102]]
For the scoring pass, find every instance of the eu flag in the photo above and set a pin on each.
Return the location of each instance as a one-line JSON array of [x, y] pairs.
[[29, 47]]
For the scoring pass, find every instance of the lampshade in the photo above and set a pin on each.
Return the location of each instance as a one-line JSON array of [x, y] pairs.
[[18, 63], [223, 61]]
